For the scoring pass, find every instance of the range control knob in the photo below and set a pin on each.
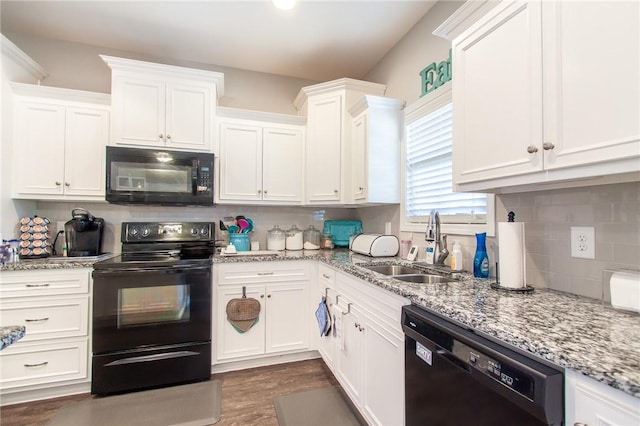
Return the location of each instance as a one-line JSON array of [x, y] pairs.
[[473, 359], [204, 231], [194, 231], [145, 231], [133, 231]]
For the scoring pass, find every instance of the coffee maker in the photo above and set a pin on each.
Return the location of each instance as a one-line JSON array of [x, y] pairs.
[[83, 234]]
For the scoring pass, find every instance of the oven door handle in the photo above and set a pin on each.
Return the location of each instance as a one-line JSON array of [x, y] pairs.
[[150, 358], [175, 269]]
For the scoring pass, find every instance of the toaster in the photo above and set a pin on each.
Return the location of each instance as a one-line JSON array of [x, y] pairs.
[[375, 245]]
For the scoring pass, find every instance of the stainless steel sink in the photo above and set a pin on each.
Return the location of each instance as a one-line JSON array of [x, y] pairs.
[[392, 269], [424, 278]]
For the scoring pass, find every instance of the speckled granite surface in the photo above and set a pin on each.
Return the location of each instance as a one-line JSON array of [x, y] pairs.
[[11, 334], [571, 331], [51, 263]]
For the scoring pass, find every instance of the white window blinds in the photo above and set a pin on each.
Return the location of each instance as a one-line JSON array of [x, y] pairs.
[[429, 171]]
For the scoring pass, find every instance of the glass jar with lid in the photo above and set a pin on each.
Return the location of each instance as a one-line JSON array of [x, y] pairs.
[[311, 238], [327, 242], [276, 239], [294, 238]]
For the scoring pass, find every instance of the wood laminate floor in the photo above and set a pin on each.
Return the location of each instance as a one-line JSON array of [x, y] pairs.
[[247, 395]]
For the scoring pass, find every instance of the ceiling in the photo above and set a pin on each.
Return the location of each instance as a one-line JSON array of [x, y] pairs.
[[317, 40]]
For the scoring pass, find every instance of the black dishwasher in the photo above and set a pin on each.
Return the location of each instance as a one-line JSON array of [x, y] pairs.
[[453, 376]]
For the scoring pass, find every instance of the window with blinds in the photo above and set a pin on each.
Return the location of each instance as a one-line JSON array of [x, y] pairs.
[[428, 174]]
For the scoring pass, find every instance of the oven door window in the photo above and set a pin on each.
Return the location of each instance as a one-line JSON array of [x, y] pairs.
[[151, 177], [140, 306]]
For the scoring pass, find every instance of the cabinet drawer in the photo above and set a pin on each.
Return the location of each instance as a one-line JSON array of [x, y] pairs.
[[46, 318], [262, 272], [44, 282], [326, 276], [24, 364], [381, 304]]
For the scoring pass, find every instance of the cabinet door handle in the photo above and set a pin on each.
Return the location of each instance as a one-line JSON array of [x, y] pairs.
[[38, 285], [335, 191], [580, 424], [548, 146], [326, 276], [58, 183], [262, 296], [265, 191], [265, 273], [168, 136], [360, 188], [268, 296], [161, 136], [36, 319], [259, 191], [37, 365], [67, 184], [532, 149]]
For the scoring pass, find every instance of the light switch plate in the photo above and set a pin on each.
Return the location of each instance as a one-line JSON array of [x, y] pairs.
[[583, 242]]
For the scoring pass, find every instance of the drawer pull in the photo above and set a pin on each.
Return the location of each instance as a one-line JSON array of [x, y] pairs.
[[325, 276], [37, 365], [38, 285], [37, 319], [265, 273]]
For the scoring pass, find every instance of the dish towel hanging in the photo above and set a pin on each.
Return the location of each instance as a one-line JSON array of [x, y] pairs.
[[338, 331], [323, 317], [243, 313]]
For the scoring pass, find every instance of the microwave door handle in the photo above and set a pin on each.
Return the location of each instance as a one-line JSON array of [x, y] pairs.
[[194, 177]]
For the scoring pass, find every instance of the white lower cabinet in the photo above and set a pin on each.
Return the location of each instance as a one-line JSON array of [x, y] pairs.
[[368, 358], [284, 323], [54, 307], [591, 403]]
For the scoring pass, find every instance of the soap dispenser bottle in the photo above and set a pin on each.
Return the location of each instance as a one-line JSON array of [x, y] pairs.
[[456, 257], [481, 260]]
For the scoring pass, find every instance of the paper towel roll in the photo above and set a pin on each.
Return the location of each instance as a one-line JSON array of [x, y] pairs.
[[511, 254], [625, 290]]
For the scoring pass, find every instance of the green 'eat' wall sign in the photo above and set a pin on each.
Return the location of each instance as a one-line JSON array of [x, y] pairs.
[[435, 76]]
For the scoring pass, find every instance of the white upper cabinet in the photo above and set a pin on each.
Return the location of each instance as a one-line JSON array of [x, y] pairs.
[[329, 148], [260, 161], [166, 106], [376, 134], [59, 143], [529, 107]]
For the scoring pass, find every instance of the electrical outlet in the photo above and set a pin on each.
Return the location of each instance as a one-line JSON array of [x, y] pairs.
[[583, 242]]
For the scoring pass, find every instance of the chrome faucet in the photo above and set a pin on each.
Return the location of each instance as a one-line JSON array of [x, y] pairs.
[[437, 250]]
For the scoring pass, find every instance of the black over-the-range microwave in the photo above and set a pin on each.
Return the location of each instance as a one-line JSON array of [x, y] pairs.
[[160, 177]]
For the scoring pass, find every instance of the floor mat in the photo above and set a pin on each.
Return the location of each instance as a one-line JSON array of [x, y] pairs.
[[324, 406], [194, 404]]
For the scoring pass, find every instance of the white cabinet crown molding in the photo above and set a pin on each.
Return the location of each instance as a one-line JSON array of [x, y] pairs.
[[13, 52], [339, 84], [376, 101], [465, 16], [172, 71], [270, 117], [57, 93]]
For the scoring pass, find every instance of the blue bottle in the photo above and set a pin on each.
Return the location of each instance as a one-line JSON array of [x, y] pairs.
[[481, 260]]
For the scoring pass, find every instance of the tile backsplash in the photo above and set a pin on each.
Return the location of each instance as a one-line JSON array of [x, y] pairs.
[[613, 211], [264, 217]]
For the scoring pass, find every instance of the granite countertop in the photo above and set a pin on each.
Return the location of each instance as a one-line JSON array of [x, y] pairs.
[[568, 330], [11, 334], [54, 263]]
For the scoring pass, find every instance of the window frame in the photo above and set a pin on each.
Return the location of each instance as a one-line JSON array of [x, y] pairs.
[[414, 111]]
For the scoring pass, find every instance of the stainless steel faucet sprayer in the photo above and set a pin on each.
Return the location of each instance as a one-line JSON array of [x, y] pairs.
[[437, 250]]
